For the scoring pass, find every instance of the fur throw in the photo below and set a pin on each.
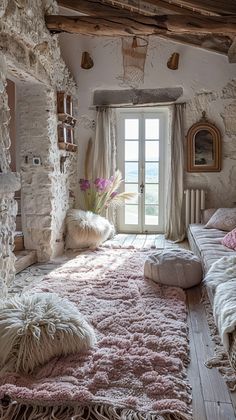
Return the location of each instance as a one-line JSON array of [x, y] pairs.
[[35, 328], [86, 229], [222, 280]]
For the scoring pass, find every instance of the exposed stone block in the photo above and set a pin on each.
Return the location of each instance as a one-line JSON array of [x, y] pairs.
[[36, 222], [229, 117], [9, 183], [229, 91], [3, 5]]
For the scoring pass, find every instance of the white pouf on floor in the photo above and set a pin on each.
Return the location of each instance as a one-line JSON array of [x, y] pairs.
[[174, 267]]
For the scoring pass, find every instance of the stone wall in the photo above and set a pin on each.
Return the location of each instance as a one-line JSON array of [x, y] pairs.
[[31, 57], [9, 183]]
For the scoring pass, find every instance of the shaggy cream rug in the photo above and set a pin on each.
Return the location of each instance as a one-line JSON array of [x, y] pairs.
[[137, 371]]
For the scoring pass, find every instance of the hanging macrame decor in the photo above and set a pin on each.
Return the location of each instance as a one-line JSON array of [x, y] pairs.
[[134, 51]]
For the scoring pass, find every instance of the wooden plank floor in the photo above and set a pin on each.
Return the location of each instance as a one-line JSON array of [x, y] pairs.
[[211, 398]]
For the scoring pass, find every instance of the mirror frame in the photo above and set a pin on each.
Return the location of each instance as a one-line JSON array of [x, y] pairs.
[[205, 125]]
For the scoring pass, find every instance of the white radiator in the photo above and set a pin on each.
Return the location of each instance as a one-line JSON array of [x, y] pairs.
[[194, 203]]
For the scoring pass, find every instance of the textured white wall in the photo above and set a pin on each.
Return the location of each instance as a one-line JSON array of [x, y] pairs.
[[208, 81]]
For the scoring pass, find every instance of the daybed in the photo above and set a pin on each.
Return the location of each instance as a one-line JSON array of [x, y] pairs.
[[220, 281]]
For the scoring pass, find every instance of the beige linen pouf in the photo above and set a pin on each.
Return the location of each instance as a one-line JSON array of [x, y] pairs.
[[174, 267]]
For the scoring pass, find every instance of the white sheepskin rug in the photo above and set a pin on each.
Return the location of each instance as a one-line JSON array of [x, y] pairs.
[[35, 328], [222, 280], [86, 229]]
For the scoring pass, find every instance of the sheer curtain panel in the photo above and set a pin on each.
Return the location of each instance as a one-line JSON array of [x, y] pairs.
[[175, 228], [104, 148]]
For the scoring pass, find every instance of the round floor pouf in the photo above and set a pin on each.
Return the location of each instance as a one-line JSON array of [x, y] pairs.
[[174, 267]]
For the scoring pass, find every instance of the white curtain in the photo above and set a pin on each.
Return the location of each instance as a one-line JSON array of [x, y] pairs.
[[104, 146], [175, 229], [104, 149]]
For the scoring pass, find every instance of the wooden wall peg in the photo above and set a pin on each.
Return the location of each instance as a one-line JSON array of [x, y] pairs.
[[173, 62], [86, 61]]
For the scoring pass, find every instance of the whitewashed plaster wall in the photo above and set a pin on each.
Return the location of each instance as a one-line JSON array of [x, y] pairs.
[[208, 81], [32, 57]]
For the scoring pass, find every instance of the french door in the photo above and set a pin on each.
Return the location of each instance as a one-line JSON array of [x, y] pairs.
[[142, 136]]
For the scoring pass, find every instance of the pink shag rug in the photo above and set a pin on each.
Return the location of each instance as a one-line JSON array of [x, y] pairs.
[[138, 369]]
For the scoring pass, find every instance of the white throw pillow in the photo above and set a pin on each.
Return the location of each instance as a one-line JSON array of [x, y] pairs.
[[86, 229], [35, 328], [206, 214], [223, 219]]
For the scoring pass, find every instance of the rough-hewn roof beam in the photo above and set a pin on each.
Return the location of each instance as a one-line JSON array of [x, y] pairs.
[[224, 7], [90, 7], [218, 44], [232, 52], [157, 7], [142, 25], [149, 7]]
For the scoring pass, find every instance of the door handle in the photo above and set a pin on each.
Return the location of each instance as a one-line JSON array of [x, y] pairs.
[[141, 188]]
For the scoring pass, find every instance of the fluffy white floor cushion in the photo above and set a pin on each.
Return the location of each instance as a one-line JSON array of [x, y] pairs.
[[35, 328], [174, 267], [86, 229]]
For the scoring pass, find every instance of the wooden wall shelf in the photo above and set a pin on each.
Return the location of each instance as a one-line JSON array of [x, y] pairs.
[[64, 103], [67, 119], [68, 146], [67, 122]]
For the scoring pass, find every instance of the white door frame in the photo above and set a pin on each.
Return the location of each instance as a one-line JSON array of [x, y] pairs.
[[162, 114]]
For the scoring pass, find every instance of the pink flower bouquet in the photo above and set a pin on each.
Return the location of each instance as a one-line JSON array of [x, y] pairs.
[[103, 193]]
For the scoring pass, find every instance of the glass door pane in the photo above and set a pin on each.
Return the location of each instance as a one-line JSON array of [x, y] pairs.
[[152, 150], [131, 129], [151, 128], [152, 167], [131, 172]]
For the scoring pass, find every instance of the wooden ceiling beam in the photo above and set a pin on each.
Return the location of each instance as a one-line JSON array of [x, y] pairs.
[[225, 25], [221, 7], [142, 25], [217, 44], [232, 52], [205, 7], [90, 7], [117, 7], [161, 6]]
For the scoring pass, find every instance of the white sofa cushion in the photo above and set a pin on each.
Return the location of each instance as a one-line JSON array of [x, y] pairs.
[[206, 243], [221, 279]]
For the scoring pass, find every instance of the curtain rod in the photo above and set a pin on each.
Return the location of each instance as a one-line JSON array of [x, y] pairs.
[[92, 107]]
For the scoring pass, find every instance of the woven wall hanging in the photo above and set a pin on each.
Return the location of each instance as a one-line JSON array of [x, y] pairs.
[[134, 51]]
